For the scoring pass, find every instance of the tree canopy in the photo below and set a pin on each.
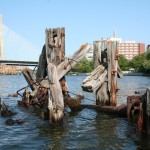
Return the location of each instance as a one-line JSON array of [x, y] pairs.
[[84, 66], [140, 63]]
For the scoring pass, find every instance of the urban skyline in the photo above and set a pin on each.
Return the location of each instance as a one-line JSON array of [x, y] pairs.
[[129, 49]]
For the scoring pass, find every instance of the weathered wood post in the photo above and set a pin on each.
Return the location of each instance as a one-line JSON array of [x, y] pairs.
[[102, 97], [144, 119], [112, 53], [148, 109], [55, 54], [42, 65], [106, 54]]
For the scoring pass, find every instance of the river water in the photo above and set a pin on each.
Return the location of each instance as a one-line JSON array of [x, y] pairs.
[[87, 129]]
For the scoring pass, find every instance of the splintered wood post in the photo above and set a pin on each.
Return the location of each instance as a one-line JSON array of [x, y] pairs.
[[109, 60], [97, 53], [145, 112], [106, 54], [42, 65], [55, 51], [55, 97], [102, 97], [55, 54], [148, 110], [112, 71]]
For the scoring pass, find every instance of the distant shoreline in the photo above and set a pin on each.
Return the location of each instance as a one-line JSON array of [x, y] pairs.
[[136, 74], [124, 73]]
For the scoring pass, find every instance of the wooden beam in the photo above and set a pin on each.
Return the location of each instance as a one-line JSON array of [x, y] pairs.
[[97, 77], [120, 111], [29, 78], [68, 63]]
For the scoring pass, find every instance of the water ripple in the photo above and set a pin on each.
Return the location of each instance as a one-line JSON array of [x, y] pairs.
[[82, 130]]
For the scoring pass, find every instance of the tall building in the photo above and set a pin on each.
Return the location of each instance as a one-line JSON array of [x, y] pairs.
[[1, 40], [130, 49]]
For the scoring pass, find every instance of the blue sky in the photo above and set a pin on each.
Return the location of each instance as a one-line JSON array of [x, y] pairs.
[[84, 20]]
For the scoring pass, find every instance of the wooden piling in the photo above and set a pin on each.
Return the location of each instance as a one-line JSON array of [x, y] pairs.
[[112, 65], [106, 54], [102, 97], [144, 118], [55, 54]]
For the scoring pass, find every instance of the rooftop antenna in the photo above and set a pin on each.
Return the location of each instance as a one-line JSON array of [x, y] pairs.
[[115, 34]]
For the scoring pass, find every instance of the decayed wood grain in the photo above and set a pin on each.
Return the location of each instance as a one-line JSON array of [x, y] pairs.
[[54, 55], [109, 48], [106, 94], [55, 100], [146, 112], [102, 95], [55, 38], [148, 100], [97, 77], [42, 65], [114, 63], [97, 53], [100, 58]]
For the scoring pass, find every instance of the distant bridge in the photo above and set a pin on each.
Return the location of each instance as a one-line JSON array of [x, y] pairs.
[[14, 48], [18, 63]]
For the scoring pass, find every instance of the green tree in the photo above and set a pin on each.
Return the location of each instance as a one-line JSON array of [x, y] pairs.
[[146, 63], [137, 62], [147, 54], [146, 66], [123, 62], [84, 66]]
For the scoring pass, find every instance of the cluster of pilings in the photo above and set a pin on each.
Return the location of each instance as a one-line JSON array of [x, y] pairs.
[[49, 90]]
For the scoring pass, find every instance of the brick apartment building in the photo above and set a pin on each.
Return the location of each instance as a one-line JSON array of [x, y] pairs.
[[130, 49]]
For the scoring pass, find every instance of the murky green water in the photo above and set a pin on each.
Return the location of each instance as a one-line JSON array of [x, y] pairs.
[[83, 130]]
